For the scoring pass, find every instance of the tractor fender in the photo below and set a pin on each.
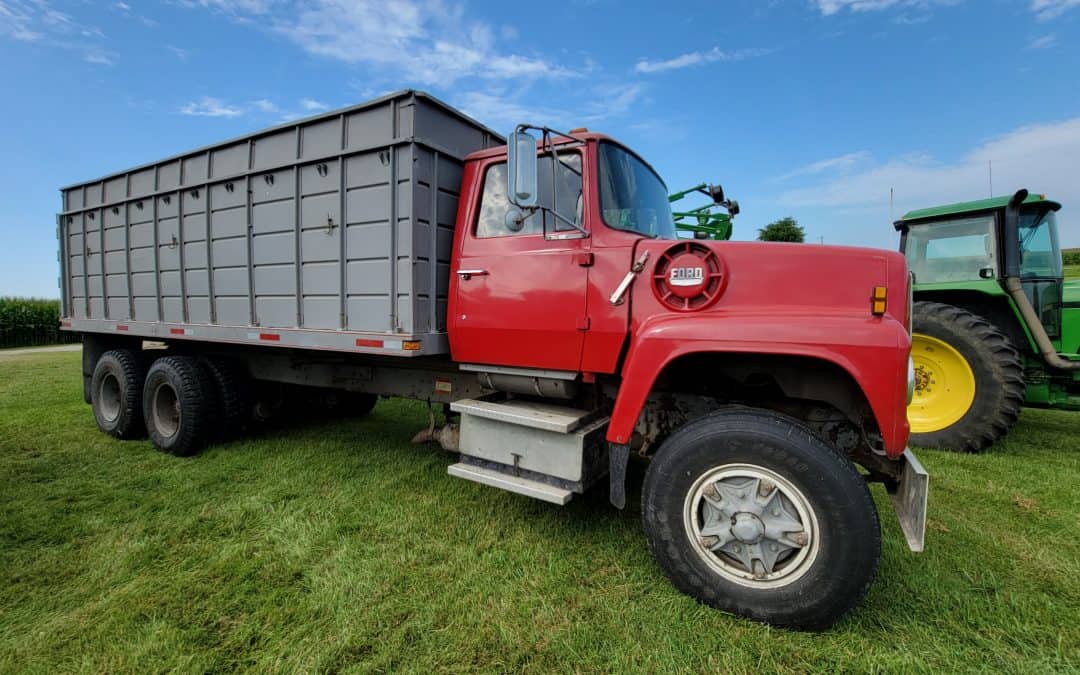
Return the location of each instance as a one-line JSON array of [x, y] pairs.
[[874, 351]]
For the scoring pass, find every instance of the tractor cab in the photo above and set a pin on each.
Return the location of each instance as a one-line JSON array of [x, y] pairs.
[[990, 266], [963, 246]]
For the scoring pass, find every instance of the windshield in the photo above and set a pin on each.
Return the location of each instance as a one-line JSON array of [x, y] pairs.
[[632, 197], [1040, 254], [951, 250]]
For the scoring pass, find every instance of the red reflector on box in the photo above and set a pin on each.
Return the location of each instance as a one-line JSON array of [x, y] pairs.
[[176, 331], [121, 327], [271, 337], [362, 342]]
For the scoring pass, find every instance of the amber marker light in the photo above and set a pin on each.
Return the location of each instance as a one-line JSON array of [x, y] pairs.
[[877, 300]]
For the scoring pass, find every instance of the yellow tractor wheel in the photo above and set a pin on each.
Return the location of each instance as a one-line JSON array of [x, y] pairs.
[[969, 379], [944, 385]]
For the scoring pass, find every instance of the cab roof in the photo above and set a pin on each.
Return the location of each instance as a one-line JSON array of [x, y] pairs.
[[971, 207], [500, 150]]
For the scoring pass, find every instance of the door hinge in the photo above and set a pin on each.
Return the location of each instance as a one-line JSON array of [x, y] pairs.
[[583, 323], [584, 259]]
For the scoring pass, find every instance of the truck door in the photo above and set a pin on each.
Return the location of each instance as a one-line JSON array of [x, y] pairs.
[[520, 287]]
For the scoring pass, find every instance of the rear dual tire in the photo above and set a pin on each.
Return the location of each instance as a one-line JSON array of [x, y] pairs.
[[180, 405], [116, 393], [750, 512]]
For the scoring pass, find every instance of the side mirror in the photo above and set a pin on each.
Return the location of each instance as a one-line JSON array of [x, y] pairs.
[[521, 175]]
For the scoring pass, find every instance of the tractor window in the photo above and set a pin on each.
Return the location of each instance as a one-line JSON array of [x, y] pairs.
[[951, 250], [1040, 255], [494, 205]]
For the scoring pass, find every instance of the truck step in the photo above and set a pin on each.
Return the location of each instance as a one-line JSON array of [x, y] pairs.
[[543, 416], [517, 484]]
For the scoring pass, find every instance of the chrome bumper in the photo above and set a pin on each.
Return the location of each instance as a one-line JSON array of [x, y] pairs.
[[908, 497]]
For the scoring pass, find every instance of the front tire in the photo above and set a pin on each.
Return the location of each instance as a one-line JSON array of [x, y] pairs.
[[750, 512], [178, 405], [969, 380]]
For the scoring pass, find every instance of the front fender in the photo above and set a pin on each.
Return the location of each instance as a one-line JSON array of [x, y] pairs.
[[873, 351]]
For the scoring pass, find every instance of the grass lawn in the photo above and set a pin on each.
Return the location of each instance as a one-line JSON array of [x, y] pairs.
[[337, 545]]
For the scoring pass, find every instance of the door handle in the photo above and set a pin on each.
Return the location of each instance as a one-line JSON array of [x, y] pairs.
[[467, 274]]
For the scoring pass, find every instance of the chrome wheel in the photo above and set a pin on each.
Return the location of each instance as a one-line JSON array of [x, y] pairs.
[[751, 525]]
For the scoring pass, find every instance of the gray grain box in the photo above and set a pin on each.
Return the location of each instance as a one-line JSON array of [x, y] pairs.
[[341, 223]]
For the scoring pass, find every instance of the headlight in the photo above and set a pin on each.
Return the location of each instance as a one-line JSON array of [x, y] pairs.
[[910, 379]]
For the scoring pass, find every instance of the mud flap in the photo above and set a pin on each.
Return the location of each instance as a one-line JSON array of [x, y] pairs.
[[908, 497], [618, 457]]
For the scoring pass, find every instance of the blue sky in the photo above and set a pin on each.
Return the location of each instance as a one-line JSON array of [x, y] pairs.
[[808, 108]]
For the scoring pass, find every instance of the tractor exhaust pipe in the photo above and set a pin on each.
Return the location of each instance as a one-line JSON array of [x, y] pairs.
[[1016, 291]]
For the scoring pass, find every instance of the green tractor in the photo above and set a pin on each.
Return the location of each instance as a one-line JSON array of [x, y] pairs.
[[707, 221], [995, 325]]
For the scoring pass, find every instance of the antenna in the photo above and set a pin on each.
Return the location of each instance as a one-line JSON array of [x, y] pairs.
[[990, 174], [891, 218]]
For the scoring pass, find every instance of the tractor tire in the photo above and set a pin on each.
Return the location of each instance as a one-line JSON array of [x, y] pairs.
[[750, 512], [179, 405], [116, 394], [969, 380], [232, 395]]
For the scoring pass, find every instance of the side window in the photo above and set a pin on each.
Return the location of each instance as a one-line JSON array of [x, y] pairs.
[[952, 250], [494, 205]]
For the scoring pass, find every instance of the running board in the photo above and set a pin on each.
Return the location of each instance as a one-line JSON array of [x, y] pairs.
[[530, 414], [517, 484]]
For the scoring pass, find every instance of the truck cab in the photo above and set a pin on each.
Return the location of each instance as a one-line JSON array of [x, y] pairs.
[[591, 279], [572, 293]]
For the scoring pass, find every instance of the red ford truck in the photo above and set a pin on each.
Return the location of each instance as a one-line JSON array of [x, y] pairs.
[[539, 291]]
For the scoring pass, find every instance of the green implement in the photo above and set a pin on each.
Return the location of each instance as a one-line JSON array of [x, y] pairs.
[[995, 324], [706, 221]]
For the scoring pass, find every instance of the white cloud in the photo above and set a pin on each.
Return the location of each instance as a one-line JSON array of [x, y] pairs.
[[263, 105], [428, 42], [830, 7], [99, 58], [502, 109], [37, 21], [1051, 9], [208, 106], [1039, 157], [696, 59], [840, 163], [1043, 42], [122, 6], [312, 105], [611, 101], [181, 54]]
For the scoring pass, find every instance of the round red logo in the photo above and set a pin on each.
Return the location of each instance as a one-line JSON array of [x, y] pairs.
[[689, 276]]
